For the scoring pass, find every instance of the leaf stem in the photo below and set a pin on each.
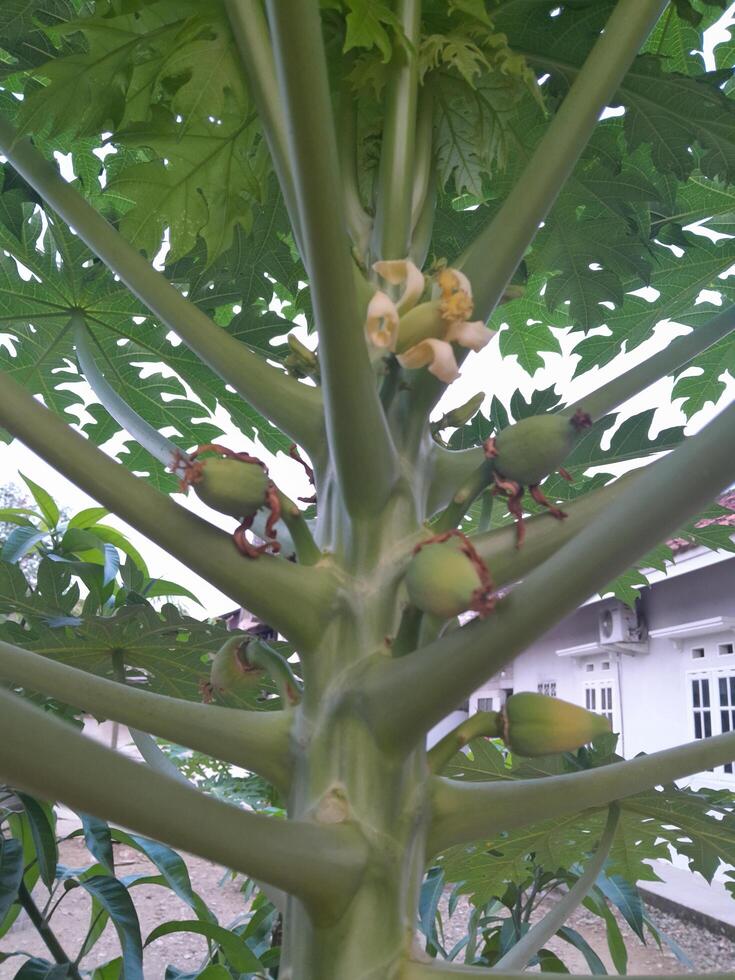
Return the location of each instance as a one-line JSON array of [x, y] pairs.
[[293, 407], [481, 724], [392, 231], [253, 41], [161, 448], [278, 592], [527, 947], [494, 255], [465, 497], [359, 223], [423, 153], [45, 931], [306, 549], [673, 357], [646, 510], [357, 433], [544, 533], [322, 865], [290, 689], [466, 811], [257, 741]]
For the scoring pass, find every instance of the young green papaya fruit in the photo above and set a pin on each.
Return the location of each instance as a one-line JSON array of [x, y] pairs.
[[531, 449], [420, 323], [232, 486], [231, 674], [535, 724], [442, 580]]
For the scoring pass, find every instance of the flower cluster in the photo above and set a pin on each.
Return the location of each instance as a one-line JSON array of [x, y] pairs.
[[422, 336]]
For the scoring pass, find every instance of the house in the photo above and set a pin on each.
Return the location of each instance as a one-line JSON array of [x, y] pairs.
[[663, 673]]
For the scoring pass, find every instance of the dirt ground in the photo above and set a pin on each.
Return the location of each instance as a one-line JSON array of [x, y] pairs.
[[708, 951]]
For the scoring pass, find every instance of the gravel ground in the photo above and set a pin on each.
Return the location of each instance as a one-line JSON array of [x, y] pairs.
[[708, 951]]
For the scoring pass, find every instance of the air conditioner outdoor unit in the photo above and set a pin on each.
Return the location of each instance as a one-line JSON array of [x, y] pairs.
[[618, 624]]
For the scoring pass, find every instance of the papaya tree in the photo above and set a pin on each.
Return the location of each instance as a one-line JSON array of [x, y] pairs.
[[408, 177]]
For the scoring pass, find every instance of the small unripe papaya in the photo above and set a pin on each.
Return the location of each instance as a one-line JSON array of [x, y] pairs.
[[231, 674], [531, 449], [232, 486], [420, 323], [535, 724], [442, 580]]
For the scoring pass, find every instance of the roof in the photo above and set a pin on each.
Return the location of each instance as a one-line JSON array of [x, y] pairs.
[[727, 500]]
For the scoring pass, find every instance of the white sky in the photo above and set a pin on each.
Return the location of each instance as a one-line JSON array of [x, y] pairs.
[[484, 371]]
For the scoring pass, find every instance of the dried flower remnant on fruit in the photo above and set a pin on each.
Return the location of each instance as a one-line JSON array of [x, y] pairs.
[[526, 453], [422, 336], [293, 452], [446, 577], [231, 673], [236, 484]]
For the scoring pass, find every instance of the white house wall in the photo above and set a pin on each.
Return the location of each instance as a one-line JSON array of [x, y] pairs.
[[652, 690]]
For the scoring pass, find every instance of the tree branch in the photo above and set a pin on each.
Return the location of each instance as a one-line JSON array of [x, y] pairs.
[[293, 407], [544, 533], [444, 673], [357, 433], [466, 811], [453, 468], [255, 740], [253, 41], [161, 448], [494, 255], [289, 597], [359, 222], [528, 945], [423, 154], [674, 356], [392, 231], [48, 758]]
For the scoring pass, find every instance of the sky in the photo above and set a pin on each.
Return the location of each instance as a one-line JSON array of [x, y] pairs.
[[484, 371]]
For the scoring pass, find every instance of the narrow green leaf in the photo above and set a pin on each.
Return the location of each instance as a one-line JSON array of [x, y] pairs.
[[11, 872], [161, 587], [109, 971], [238, 955], [115, 900], [42, 824], [626, 897], [45, 502], [19, 542], [112, 536], [596, 903], [98, 839], [38, 969], [87, 517], [172, 868], [571, 936]]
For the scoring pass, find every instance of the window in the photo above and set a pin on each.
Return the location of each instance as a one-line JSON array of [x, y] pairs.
[[712, 706], [548, 688], [726, 693], [589, 668], [697, 653], [484, 704], [601, 696], [606, 703], [701, 707], [605, 665], [725, 649]]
